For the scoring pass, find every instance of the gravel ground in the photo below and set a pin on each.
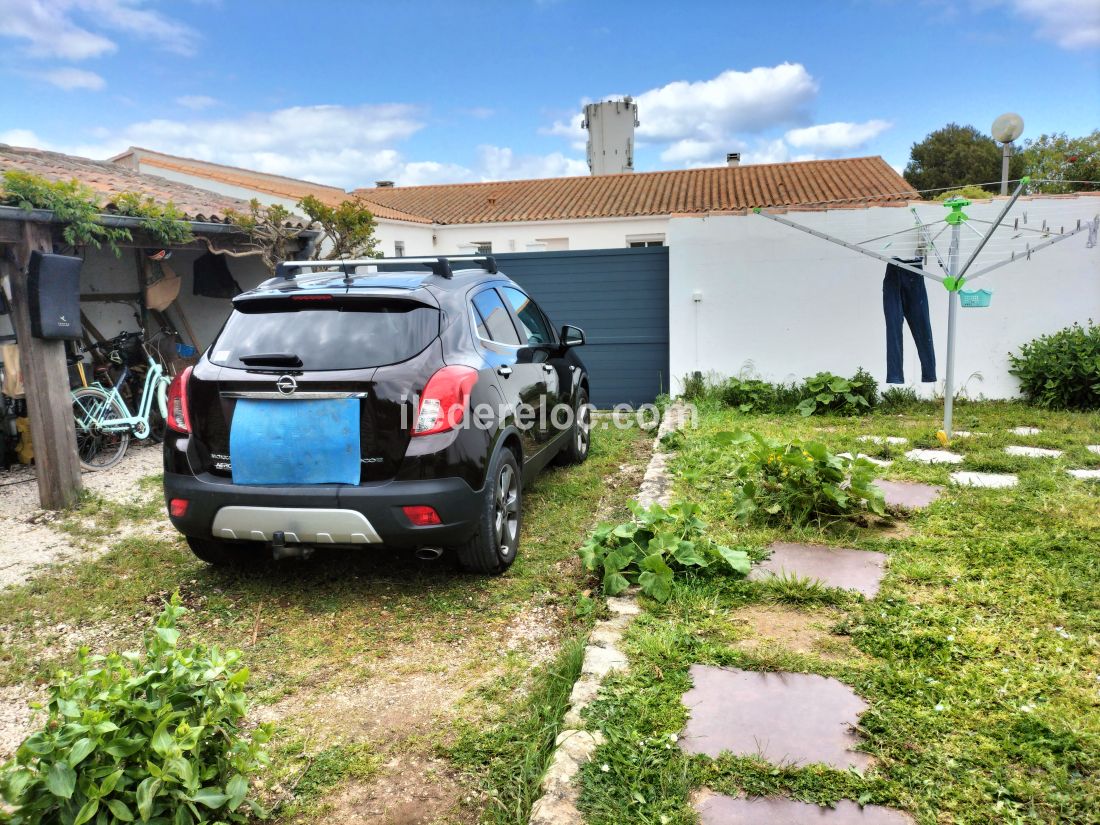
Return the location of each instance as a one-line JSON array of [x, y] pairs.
[[27, 539]]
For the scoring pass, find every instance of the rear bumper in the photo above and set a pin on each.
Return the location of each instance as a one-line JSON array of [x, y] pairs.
[[458, 505]]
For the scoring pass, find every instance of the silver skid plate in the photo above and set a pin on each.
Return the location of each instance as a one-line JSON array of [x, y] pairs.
[[299, 525]]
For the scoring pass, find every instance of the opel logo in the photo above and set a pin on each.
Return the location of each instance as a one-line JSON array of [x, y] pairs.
[[286, 384]]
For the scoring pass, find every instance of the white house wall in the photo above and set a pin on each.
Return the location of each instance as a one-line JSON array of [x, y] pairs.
[[783, 304], [526, 236]]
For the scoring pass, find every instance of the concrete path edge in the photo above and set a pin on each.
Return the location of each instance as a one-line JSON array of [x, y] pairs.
[[575, 745]]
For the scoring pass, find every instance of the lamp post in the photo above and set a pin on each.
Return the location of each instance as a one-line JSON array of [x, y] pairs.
[[1006, 129]]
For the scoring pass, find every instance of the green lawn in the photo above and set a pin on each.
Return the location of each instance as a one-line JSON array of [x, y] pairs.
[[359, 657], [980, 657]]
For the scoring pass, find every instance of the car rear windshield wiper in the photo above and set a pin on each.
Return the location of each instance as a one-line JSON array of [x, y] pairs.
[[272, 359]]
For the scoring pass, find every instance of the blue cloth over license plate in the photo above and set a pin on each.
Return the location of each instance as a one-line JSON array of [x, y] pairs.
[[295, 442]]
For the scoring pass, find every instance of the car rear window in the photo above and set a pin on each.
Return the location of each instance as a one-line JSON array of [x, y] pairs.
[[338, 336]]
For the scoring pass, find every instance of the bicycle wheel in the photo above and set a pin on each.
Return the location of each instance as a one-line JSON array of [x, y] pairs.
[[96, 448]]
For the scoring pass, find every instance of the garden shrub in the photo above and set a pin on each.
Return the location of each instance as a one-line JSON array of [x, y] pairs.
[[654, 546], [898, 399], [1061, 371], [695, 387], [748, 394], [798, 483], [826, 392], [153, 737]]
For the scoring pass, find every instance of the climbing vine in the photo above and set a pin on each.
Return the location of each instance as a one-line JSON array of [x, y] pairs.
[[80, 210]]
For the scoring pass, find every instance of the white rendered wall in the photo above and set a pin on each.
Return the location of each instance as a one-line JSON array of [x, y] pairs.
[[610, 233], [788, 304]]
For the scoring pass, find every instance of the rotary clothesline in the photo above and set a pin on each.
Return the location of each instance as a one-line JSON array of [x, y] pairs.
[[955, 273]]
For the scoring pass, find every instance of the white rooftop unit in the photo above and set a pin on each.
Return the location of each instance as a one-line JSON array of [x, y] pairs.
[[610, 126]]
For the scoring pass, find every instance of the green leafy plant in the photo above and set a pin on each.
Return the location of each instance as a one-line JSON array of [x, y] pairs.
[[748, 394], [165, 222], [1061, 371], [826, 392], [798, 483], [654, 546], [72, 203], [695, 387], [80, 210], [154, 737], [348, 228], [898, 399]]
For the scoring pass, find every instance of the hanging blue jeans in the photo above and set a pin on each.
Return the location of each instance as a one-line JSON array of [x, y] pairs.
[[904, 296]]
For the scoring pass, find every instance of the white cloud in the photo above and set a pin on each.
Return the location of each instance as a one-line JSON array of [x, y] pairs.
[[197, 102], [1072, 24], [698, 122], [715, 109], [346, 146], [78, 29], [836, 137], [501, 163], [70, 79]]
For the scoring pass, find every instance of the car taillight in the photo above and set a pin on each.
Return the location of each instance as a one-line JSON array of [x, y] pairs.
[[179, 416], [178, 507], [443, 405], [421, 515]]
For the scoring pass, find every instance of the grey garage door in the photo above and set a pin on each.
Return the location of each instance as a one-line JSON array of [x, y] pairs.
[[619, 297]]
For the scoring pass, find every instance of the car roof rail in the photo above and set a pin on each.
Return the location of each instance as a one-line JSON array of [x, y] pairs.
[[439, 265]]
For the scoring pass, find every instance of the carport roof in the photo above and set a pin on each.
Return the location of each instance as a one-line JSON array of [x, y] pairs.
[[279, 185], [110, 179], [846, 182]]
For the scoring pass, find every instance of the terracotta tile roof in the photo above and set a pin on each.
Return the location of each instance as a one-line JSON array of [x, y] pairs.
[[724, 188], [277, 185], [111, 179]]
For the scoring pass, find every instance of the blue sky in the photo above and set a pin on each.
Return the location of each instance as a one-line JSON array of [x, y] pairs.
[[425, 92]]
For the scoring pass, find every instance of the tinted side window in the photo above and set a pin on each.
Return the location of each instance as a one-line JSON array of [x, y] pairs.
[[534, 323], [493, 322]]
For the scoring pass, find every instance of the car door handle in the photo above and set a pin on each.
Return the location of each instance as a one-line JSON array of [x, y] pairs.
[[504, 370]]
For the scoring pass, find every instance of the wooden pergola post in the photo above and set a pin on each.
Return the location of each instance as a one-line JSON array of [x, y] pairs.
[[46, 381]]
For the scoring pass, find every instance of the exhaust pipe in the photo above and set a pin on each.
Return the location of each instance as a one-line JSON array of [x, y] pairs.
[[429, 553]]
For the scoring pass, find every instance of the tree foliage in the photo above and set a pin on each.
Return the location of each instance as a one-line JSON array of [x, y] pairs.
[[955, 156], [347, 230], [1058, 162]]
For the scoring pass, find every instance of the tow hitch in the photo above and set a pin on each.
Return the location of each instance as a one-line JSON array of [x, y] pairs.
[[280, 550]]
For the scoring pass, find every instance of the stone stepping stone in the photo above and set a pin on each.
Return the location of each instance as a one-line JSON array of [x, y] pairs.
[[909, 495], [1033, 452], [878, 439], [994, 481], [878, 462], [1025, 431], [934, 457], [1084, 474], [785, 718], [717, 809], [859, 570], [1093, 448]]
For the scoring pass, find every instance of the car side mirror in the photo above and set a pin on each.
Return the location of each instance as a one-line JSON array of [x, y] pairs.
[[572, 336]]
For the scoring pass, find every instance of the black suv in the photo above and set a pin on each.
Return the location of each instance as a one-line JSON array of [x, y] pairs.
[[395, 401]]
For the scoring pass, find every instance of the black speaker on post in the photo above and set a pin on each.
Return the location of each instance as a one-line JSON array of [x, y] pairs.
[[53, 289]]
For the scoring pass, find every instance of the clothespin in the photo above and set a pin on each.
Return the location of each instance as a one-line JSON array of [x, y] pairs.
[[1029, 251]]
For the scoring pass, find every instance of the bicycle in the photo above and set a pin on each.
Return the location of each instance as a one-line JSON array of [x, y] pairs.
[[104, 423]]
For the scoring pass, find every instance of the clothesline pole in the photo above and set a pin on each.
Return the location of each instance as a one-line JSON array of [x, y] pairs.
[[955, 218]]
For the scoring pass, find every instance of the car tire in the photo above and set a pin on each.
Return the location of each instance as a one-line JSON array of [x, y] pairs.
[[580, 434], [493, 548], [226, 553]]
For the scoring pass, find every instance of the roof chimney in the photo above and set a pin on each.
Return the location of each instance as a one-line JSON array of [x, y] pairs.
[[384, 184], [733, 159]]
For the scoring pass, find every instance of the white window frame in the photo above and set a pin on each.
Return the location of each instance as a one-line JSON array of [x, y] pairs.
[[652, 239], [399, 249]]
